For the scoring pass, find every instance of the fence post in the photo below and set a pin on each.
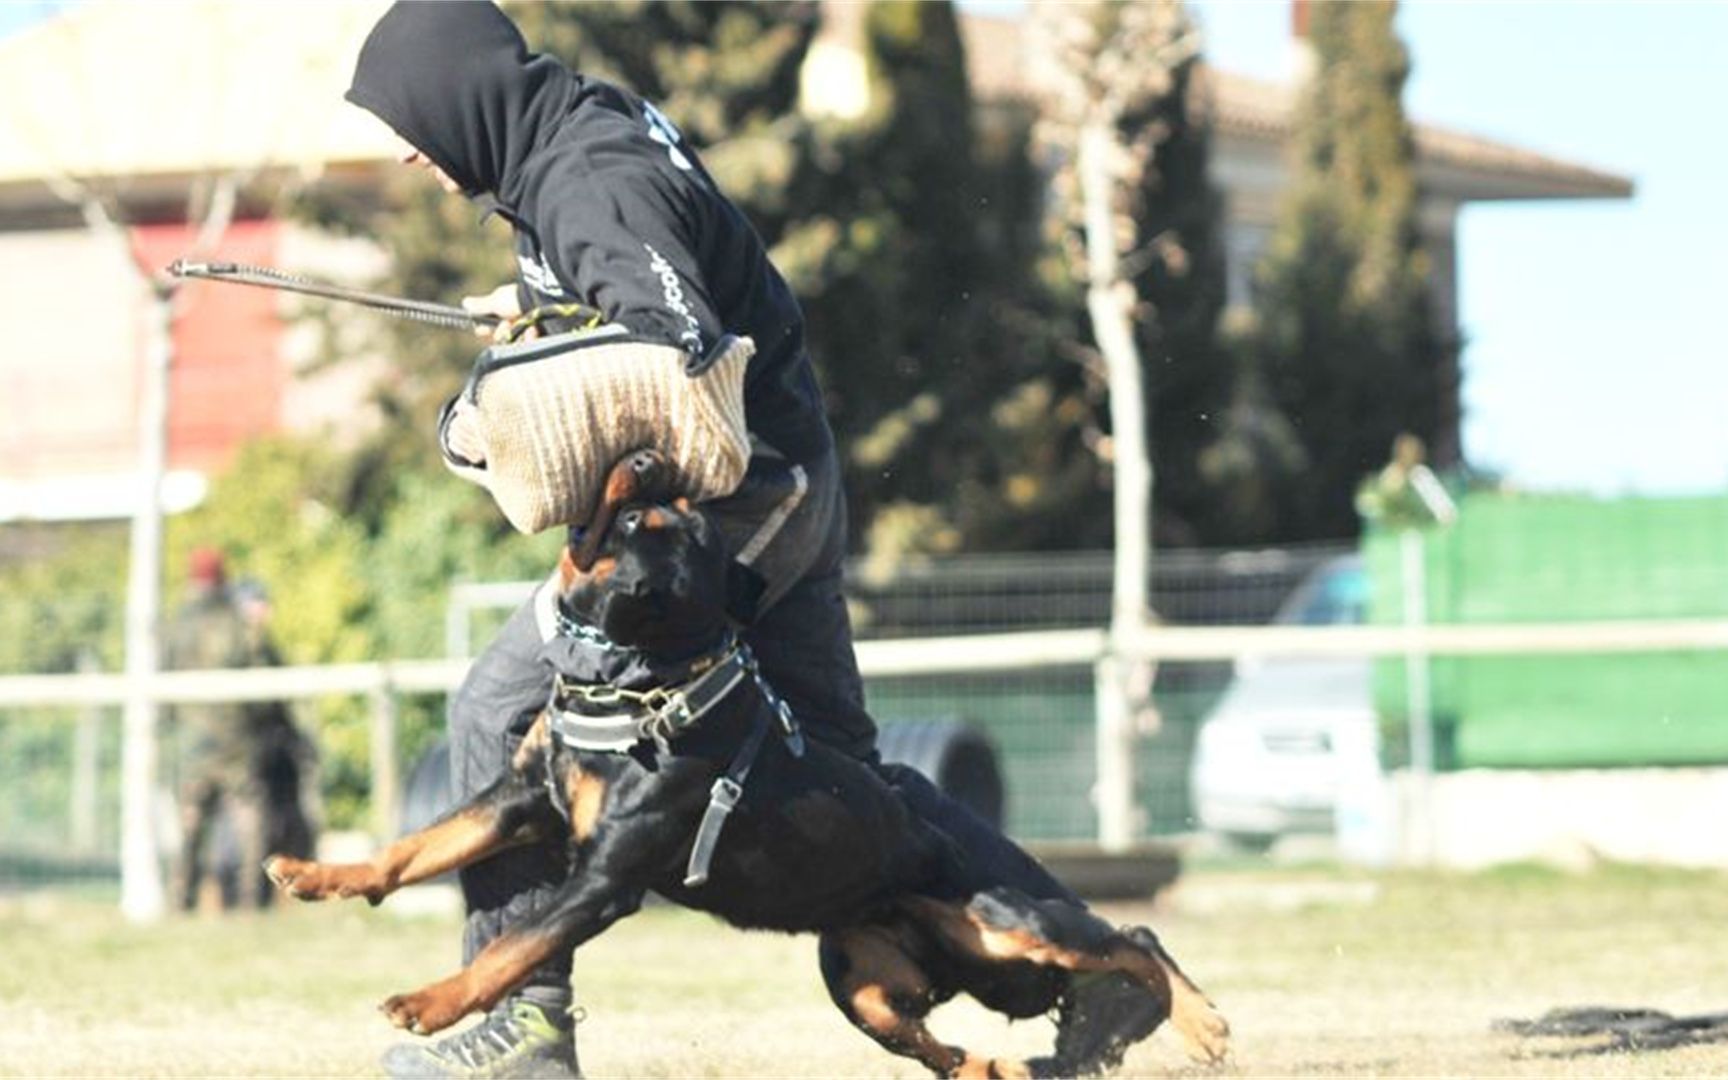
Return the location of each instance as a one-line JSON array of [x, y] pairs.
[[1114, 754], [382, 762], [1419, 829], [142, 898], [86, 751]]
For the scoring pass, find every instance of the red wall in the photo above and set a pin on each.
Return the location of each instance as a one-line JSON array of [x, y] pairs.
[[229, 373]]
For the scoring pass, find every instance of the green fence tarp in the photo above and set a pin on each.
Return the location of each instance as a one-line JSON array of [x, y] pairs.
[[1512, 559]]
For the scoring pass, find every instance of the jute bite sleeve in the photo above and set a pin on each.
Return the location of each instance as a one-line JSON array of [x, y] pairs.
[[539, 424]]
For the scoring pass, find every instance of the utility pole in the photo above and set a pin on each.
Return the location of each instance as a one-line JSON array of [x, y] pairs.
[[141, 892]]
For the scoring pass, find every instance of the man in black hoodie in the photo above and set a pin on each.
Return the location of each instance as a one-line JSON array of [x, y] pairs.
[[612, 209]]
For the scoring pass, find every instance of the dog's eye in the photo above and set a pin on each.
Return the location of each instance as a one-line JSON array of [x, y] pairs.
[[630, 521]]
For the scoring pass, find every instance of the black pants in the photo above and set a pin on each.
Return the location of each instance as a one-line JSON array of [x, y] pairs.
[[788, 523]]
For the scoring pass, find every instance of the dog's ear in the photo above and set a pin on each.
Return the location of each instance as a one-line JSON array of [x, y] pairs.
[[744, 589]]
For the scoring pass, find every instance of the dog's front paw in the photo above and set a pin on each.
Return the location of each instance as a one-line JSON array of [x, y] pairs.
[[1204, 1031], [425, 1012], [305, 880]]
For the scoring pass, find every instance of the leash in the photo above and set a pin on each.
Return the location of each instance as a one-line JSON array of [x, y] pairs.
[[446, 315], [661, 715], [549, 318]]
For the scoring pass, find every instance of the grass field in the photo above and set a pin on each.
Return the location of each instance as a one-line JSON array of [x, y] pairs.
[[1322, 973]]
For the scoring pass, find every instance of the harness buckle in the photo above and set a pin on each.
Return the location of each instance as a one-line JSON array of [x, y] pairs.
[[725, 793], [668, 712]]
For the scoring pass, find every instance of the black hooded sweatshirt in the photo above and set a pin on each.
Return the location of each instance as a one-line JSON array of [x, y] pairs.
[[610, 206]]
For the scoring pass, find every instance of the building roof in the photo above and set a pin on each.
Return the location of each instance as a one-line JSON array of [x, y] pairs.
[[161, 92], [1475, 168], [125, 89]]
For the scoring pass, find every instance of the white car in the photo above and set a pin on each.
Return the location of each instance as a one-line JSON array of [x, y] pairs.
[[1290, 733]]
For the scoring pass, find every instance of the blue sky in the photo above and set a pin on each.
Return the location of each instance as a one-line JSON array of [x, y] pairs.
[[1596, 356]]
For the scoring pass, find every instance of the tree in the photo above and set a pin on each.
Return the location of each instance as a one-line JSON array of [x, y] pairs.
[[1176, 264], [726, 72], [1112, 60], [1345, 347], [912, 247]]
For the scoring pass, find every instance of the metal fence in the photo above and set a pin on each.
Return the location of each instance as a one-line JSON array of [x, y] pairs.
[[60, 763]]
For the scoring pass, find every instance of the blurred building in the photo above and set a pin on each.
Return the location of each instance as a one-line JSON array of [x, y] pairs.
[[151, 107], [1251, 121]]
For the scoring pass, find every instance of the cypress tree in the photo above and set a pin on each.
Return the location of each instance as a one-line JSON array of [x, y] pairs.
[[884, 256], [913, 251], [1345, 346]]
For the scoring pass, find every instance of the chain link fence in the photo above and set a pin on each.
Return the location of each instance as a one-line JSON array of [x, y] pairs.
[[60, 765]]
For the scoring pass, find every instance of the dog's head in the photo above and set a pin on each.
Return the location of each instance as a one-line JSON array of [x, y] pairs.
[[651, 570]]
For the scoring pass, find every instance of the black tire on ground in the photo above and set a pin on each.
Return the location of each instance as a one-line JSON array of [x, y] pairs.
[[956, 757]]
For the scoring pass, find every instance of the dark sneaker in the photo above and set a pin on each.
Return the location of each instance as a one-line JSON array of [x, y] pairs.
[[516, 1039], [1099, 1017]]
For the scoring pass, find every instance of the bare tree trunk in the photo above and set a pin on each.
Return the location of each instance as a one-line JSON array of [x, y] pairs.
[[1109, 302], [1102, 58]]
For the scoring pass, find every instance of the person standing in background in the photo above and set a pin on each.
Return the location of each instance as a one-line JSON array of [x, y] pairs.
[[287, 761], [216, 741]]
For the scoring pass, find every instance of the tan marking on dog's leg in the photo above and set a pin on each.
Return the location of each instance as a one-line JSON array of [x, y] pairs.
[[983, 1068], [880, 971], [877, 993], [967, 931], [500, 966], [1203, 1030], [586, 795], [463, 838], [534, 744], [453, 842], [873, 1009]]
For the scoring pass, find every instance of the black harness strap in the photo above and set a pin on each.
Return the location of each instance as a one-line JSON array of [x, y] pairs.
[[722, 798]]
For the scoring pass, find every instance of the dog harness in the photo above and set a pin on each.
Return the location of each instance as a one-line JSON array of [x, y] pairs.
[[659, 716]]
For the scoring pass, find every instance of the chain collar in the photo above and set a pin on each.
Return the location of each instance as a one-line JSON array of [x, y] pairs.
[[614, 720]]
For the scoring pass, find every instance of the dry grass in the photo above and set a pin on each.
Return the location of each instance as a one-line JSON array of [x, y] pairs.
[[1321, 972]]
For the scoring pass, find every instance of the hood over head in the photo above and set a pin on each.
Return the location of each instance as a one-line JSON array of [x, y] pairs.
[[457, 81]]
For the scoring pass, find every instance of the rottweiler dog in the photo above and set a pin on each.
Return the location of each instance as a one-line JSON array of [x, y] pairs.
[[666, 764]]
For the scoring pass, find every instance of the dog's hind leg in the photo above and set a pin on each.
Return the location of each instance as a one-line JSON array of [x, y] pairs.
[[1004, 925], [874, 979]]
